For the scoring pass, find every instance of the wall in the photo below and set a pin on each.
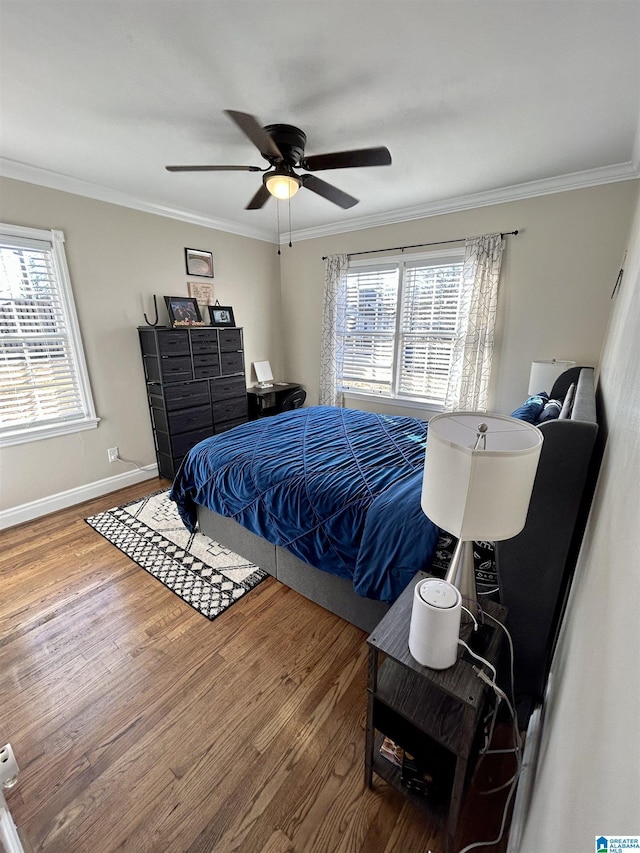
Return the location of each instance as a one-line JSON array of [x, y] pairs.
[[557, 278], [118, 259], [588, 776], [558, 274]]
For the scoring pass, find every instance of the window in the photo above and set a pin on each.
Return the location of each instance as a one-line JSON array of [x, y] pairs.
[[399, 326], [44, 387]]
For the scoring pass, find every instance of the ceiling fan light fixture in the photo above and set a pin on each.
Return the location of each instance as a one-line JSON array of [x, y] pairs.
[[282, 185]]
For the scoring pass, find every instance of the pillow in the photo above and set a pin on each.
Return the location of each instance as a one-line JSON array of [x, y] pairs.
[[568, 402], [531, 409], [550, 412]]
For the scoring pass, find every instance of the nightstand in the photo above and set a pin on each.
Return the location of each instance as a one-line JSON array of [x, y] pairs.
[[435, 715]]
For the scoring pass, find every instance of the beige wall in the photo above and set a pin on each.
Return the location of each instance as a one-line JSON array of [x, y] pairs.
[[588, 779], [557, 278], [118, 258]]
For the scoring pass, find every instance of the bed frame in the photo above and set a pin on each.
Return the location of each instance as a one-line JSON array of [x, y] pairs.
[[534, 568], [330, 591]]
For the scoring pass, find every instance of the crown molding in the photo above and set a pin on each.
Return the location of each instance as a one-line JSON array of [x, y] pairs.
[[517, 192], [562, 183], [55, 181]]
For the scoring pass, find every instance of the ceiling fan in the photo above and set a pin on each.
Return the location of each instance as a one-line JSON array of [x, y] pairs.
[[282, 146]]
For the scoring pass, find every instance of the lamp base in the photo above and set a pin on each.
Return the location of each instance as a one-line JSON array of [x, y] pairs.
[[462, 575]]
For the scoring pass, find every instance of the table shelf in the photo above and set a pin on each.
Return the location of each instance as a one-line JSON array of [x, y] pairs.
[[435, 715]]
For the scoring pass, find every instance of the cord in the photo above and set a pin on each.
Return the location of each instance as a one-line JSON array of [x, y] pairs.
[[517, 750], [475, 621], [502, 824], [129, 462], [516, 731], [482, 660]]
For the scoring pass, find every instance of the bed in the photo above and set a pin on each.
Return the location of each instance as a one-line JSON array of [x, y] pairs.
[[377, 537], [325, 499]]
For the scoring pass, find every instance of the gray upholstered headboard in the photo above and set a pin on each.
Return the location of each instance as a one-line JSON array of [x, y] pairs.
[[535, 568]]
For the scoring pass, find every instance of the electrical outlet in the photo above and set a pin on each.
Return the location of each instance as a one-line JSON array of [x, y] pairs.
[[112, 454]]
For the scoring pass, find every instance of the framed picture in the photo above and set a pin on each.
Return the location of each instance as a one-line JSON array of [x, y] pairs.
[[202, 291], [183, 311], [221, 315], [199, 262]]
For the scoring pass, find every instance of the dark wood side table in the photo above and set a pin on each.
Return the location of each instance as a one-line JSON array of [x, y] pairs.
[[435, 715]]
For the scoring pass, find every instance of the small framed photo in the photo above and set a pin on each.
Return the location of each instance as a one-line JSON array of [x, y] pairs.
[[183, 311], [221, 315], [199, 262]]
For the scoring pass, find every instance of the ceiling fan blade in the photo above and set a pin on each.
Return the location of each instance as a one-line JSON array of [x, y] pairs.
[[249, 125], [213, 168], [328, 191], [347, 159], [260, 199]]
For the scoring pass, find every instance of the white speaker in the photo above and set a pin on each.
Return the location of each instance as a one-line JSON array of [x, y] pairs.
[[435, 623]]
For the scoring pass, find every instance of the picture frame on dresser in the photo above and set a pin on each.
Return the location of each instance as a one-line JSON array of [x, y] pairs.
[[183, 311], [221, 315]]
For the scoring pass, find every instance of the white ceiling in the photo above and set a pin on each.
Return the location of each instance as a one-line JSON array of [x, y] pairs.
[[473, 99]]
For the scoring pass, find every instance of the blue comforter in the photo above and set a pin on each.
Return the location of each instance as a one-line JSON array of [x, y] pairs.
[[339, 488]]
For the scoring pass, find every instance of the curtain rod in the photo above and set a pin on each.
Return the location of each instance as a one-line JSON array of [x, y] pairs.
[[419, 245]]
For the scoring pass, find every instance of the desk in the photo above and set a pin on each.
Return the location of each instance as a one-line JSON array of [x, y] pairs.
[[268, 401]]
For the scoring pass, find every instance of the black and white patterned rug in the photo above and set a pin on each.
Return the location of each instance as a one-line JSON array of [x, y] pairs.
[[200, 571]]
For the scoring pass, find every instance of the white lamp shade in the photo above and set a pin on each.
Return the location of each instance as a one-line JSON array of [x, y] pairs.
[[479, 494], [544, 374]]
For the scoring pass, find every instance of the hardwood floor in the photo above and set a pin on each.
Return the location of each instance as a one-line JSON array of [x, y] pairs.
[[140, 726]]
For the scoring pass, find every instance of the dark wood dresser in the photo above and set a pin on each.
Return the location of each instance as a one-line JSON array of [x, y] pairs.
[[195, 387]]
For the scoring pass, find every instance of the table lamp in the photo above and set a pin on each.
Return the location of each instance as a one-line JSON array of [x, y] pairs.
[[544, 374], [478, 477]]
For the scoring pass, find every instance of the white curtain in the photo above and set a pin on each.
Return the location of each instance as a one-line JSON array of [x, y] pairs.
[[473, 347], [335, 290]]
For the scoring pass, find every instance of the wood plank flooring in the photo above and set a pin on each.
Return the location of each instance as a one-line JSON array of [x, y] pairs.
[[140, 726]]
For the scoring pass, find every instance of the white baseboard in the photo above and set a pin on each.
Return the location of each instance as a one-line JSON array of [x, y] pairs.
[[52, 503]]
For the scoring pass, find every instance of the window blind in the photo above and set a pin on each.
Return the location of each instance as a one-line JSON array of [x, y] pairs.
[[399, 325], [429, 312], [368, 334], [40, 381]]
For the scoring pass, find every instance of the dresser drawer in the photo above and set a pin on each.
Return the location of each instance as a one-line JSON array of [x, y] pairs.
[[231, 362], [224, 426], [228, 410], [206, 365], [176, 369], [204, 340], [179, 444], [184, 420], [206, 359], [230, 339], [206, 372], [224, 389], [209, 336], [181, 395], [173, 342]]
